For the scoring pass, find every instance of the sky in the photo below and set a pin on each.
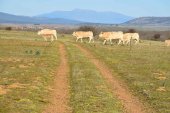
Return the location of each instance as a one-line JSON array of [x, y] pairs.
[[134, 8]]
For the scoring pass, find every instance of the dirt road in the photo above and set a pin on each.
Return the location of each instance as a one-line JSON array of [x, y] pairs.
[[60, 95], [131, 103]]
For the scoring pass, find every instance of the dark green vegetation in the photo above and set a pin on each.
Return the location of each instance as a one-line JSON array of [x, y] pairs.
[[26, 72]]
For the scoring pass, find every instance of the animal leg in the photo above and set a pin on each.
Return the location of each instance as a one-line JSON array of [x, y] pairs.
[[77, 39], [93, 39], [45, 38], [90, 39], [128, 42], [123, 42], [55, 37], [111, 41], [137, 41], [81, 40], [104, 42], [52, 38], [119, 41]]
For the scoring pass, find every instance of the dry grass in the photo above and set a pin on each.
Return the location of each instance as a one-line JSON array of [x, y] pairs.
[[25, 76]]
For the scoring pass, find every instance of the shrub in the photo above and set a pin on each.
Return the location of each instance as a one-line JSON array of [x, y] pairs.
[[156, 36], [65, 30], [8, 28], [37, 53], [131, 31], [26, 52]]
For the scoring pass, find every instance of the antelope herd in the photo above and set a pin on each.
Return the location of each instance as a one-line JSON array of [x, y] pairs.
[[123, 38]]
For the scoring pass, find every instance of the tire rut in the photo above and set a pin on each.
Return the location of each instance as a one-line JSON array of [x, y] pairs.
[[60, 94], [130, 103]]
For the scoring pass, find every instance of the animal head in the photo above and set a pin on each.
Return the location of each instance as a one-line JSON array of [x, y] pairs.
[[74, 33], [39, 33], [101, 34]]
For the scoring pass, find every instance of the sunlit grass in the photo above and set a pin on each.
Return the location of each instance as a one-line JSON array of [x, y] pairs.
[[89, 92], [26, 72], [141, 68], [28, 65]]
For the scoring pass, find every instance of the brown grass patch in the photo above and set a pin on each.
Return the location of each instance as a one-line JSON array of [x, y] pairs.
[[16, 85], [161, 78], [3, 91], [22, 66], [161, 89]]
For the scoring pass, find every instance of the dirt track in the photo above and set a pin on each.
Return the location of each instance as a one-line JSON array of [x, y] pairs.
[[131, 103], [60, 95]]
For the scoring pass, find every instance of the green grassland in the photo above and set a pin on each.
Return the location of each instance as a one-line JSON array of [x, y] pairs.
[[89, 92], [26, 71], [28, 63], [145, 68]]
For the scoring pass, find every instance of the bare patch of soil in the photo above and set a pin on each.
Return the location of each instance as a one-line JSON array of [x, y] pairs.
[[16, 85], [22, 66], [4, 89]]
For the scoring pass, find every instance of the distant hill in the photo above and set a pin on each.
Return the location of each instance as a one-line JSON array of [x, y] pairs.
[[9, 18], [84, 17], [148, 21], [89, 16]]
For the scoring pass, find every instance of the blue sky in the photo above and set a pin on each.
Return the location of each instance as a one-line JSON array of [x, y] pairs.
[[135, 8]]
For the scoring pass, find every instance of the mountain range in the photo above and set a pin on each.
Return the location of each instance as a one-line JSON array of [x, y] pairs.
[[79, 16], [9, 18], [149, 21], [89, 16]]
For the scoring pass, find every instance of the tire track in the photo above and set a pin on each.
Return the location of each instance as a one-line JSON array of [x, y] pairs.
[[60, 95], [131, 103]]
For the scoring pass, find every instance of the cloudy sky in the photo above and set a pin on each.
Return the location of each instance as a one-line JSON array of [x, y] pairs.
[[135, 8]]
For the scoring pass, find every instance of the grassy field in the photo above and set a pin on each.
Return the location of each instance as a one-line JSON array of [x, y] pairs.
[[28, 64], [89, 92], [145, 69], [26, 72]]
